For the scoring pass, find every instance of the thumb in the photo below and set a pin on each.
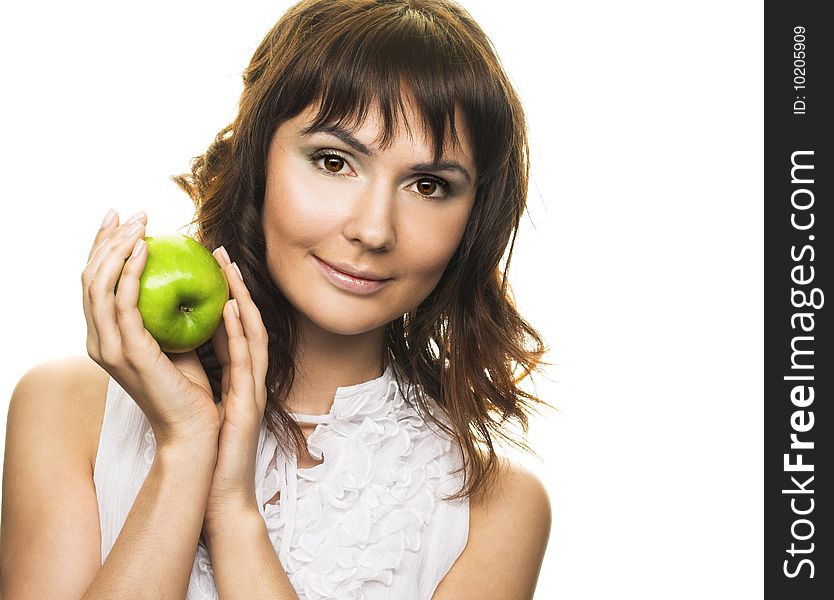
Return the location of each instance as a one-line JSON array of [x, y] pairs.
[[189, 365]]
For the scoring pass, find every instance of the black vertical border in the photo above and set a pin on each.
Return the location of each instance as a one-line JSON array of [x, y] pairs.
[[791, 128]]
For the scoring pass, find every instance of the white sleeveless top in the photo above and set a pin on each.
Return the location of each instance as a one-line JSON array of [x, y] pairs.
[[368, 523]]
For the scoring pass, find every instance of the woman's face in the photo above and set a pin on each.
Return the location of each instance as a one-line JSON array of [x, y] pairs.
[[357, 236]]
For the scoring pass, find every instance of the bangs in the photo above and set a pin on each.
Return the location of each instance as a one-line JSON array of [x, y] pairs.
[[353, 57]]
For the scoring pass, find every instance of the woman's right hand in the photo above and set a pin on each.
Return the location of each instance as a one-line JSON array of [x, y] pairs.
[[173, 392]]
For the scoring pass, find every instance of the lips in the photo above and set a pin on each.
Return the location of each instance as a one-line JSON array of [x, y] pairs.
[[350, 279], [353, 272]]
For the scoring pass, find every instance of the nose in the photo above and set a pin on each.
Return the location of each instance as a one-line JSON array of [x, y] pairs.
[[371, 219]]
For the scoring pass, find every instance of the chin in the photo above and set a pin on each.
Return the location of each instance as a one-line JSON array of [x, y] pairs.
[[343, 322]]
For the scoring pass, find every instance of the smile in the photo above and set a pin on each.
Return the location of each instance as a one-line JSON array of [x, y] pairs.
[[351, 283]]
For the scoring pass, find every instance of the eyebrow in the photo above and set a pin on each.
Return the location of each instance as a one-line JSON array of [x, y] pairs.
[[443, 165], [341, 133], [345, 136]]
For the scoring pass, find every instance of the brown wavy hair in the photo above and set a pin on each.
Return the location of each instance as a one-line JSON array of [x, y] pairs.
[[466, 346]]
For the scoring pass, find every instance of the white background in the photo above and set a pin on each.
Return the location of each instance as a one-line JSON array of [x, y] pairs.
[[644, 269]]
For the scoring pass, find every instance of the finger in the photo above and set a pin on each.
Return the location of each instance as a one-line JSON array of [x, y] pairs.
[[108, 225], [220, 339], [115, 230], [252, 322], [189, 365], [250, 315], [104, 246], [241, 380], [101, 292], [220, 344], [136, 340]]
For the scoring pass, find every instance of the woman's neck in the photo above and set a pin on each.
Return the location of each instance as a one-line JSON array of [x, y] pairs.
[[326, 361]]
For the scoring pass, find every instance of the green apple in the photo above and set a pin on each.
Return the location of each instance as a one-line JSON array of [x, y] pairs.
[[182, 292]]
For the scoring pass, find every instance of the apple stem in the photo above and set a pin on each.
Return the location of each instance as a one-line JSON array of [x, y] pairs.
[[186, 309]]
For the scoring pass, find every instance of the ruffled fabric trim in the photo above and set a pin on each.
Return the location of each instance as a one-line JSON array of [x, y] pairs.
[[150, 447], [202, 584], [352, 519]]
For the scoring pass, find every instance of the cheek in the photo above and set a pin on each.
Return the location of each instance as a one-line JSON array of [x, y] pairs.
[[432, 244], [296, 212]]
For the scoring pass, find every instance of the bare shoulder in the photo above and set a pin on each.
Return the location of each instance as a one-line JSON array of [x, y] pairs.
[[50, 541], [515, 487], [509, 527], [67, 394]]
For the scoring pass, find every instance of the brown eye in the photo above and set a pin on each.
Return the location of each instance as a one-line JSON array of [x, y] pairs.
[[333, 163], [427, 187]]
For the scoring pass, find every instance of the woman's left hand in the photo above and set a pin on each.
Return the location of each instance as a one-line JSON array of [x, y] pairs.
[[241, 346]]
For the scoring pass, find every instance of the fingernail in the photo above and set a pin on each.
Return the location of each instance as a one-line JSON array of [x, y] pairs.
[[108, 218], [234, 305], [225, 255], [134, 227], [239, 274], [137, 247], [135, 217]]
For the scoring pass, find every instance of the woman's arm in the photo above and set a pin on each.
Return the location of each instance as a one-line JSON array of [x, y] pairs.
[[508, 532], [154, 553], [244, 561], [50, 543]]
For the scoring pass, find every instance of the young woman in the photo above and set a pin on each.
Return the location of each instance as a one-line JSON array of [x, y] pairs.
[[335, 438]]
